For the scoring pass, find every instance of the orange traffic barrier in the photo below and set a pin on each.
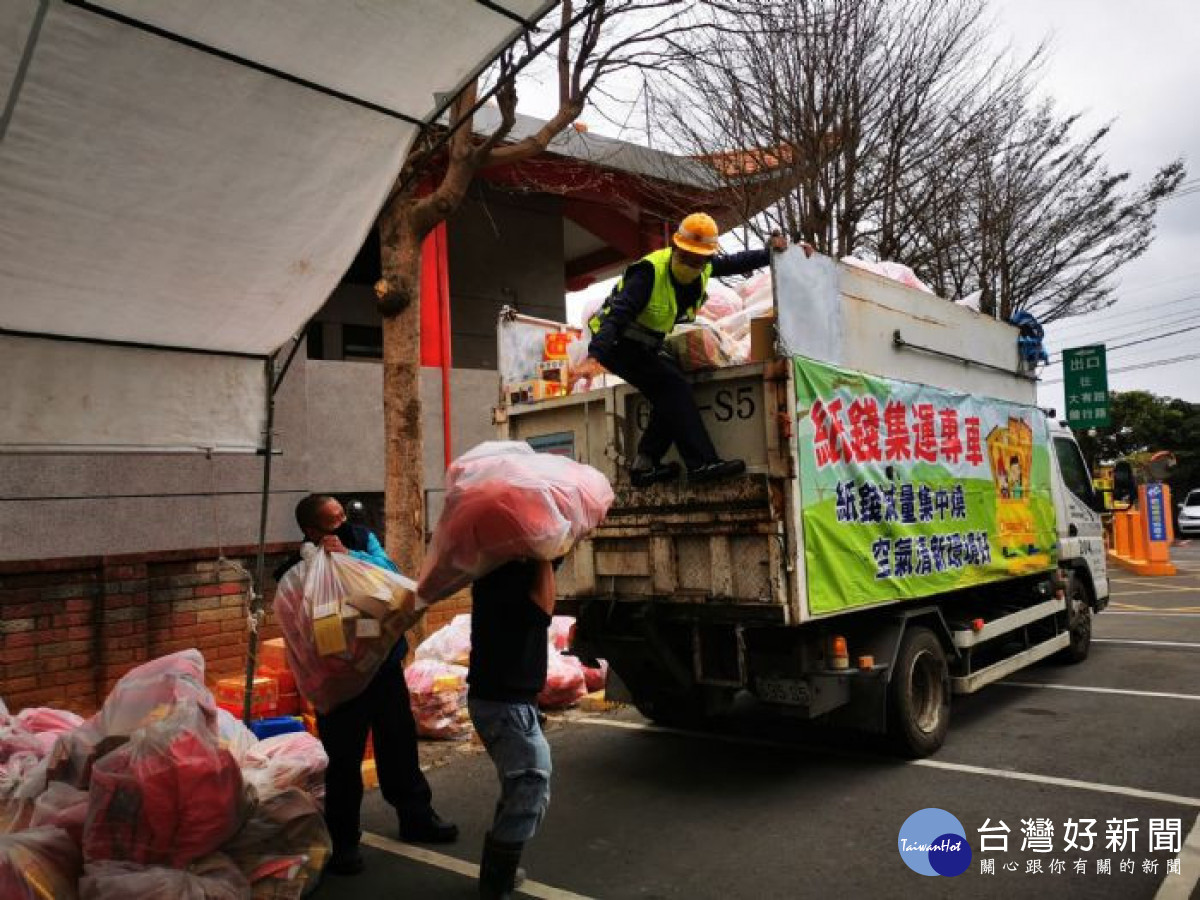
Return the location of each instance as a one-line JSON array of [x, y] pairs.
[[1142, 535]]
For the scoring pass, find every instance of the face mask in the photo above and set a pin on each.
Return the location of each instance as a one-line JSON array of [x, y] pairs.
[[684, 274]]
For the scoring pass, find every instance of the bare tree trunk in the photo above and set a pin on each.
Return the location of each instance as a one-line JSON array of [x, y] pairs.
[[404, 479]]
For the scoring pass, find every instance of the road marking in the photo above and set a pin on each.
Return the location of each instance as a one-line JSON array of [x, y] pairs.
[[1158, 587], [460, 867], [1169, 612], [1137, 793], [1177, 645], [1180, 887], [1100, 690]]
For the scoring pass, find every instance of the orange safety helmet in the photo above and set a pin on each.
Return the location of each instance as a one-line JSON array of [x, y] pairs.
[[697, 234]]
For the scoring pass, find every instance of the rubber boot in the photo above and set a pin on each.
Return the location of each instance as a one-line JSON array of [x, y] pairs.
[[499, 870]]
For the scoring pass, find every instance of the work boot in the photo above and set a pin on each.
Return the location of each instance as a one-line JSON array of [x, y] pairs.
[[428, 829], [714, 471], [499, 870], [648, 473], [346, 860]]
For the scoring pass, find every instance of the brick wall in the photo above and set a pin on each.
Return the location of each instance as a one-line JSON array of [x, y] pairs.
[[69, 628]]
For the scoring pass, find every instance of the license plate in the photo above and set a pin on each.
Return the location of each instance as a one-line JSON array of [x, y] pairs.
[[792, 691]]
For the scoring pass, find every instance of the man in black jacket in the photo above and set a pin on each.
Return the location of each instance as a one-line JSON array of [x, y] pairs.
[[511, 609], [382, 710], [659, 291]]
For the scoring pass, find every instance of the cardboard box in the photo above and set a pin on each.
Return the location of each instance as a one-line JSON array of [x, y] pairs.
[[273, 655], [329, 635], [762, 338]]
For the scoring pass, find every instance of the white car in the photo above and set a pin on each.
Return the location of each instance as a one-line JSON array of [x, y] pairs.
[[1189, 514]]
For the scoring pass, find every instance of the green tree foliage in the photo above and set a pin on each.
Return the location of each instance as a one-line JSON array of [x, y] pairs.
[[1143, 423]]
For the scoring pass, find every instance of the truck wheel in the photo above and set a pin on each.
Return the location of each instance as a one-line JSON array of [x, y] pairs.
[[919, 695], [1079, 623], [674, 710]]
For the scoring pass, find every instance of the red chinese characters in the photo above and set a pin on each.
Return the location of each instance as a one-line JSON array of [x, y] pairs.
[[864, 430], [829, 437], [925, 445], [897, 445], [951, 443]]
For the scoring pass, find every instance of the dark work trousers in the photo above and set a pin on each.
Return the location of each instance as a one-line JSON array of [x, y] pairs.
[[674, 418], [383, 710]]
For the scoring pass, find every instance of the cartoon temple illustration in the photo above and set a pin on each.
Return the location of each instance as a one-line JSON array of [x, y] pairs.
[[1010, 455]]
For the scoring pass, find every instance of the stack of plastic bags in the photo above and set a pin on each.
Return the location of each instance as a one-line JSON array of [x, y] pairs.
[[157, 796], [285, 762], [506, 502], [437, 680], [700, 346], [437, 692], [893, 270], [566, 684], [340, 619]]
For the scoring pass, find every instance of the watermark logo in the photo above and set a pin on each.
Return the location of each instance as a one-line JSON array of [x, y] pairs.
[[933, 842]]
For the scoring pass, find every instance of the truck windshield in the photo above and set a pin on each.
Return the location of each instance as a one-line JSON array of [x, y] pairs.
[[1074, 472], [1193, 499]]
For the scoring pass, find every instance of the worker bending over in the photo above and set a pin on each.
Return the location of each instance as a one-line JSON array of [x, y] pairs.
[[659, 291]]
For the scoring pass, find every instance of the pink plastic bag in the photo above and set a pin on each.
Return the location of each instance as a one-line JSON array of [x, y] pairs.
[[61, 806], [39, 864], [700, 346], [169, 796], [234, 736], [596, 677], [560, 632], [437, 693], [16, 738], [286, 761], [565, 682], [317, 585], [214, 877], [47, 724], [449, 644], [144, 695], [893, 270], [506, 502], [755, 285], [721, 302]]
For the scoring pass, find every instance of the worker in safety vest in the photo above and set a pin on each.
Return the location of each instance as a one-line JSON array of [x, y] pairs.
[[659, 291]]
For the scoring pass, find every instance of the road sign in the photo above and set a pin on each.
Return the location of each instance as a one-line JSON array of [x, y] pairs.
[[1156, 514], [1086, 378]]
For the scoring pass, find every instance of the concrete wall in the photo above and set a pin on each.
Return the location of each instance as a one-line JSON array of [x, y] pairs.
[[329, 431]]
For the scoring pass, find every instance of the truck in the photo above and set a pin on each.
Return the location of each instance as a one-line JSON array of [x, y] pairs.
[[910, 525]]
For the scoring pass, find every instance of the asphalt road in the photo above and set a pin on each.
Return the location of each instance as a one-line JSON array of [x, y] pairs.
[[644, 812]]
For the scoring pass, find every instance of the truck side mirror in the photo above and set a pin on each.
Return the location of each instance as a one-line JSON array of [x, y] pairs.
[[1124, 487]]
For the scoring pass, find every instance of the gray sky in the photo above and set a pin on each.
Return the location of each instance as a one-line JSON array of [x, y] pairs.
[[1137, 65]]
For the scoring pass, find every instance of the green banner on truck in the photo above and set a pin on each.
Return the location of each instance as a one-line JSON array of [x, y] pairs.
[[909, 491]]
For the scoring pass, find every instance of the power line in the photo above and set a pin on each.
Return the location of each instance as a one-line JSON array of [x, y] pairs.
[[1138, 328], [1149, 365], [1141, 311], [1145, 340], [1151, 330]]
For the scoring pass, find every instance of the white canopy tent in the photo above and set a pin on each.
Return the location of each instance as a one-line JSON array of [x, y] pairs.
[[182, 185]]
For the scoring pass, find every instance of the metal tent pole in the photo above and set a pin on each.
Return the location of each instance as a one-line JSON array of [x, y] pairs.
[[258, 588]]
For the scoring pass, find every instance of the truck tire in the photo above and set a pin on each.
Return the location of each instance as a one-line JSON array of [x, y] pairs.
[[676, 710], [1079, 623], [919, 695]]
